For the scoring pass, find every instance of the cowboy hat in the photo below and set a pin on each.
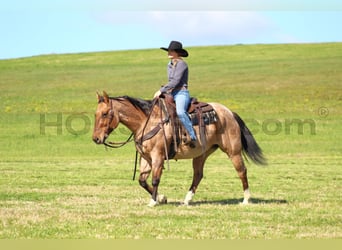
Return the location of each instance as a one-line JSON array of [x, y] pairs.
[[178, 47]]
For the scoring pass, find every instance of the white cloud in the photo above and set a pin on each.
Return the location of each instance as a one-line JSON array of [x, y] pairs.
[[225, 26], [196, 27]]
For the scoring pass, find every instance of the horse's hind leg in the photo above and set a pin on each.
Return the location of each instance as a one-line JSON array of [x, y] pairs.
[[242, 172], [198, 165]]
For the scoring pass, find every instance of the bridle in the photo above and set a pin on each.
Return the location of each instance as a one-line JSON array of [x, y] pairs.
[[116, 144]]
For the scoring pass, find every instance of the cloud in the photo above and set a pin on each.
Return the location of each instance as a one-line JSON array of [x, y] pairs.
[[195, 27], [218, 26]]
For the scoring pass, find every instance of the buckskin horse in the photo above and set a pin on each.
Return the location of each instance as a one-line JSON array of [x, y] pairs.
[[153, 135]]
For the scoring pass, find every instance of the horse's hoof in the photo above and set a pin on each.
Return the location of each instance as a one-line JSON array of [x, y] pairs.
[[152, 203], [246, 197], [162, 199], [245, 202], [188, 198], [185, 204]]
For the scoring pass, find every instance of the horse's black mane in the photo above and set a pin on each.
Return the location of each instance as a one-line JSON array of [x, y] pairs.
[[143, 105]]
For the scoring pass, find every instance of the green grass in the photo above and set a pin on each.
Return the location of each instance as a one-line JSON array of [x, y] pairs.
[[55, 184]]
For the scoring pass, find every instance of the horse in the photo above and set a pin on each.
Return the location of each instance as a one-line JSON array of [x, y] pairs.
[[229, 133]]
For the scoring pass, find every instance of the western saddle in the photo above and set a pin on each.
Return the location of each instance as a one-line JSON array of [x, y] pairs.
[[200, 113]]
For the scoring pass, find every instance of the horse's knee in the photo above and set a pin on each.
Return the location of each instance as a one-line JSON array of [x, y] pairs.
[[155, 182], [143, 183]]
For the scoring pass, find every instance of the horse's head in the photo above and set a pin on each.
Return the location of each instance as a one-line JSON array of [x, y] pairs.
[[106, 119]]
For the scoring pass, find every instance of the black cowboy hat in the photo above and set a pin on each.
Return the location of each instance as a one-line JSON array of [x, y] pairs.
[[178, 47]]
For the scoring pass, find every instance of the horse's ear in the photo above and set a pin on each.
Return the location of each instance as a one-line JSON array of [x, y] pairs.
[[98, 96], [106, 97]]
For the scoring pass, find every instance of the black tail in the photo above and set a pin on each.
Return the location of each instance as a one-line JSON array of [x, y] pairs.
[[250, 146]]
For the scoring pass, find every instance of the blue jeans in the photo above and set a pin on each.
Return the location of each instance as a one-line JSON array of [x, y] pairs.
[[182, 100]]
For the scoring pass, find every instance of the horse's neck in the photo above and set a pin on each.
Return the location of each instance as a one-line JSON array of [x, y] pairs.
[[129, 116]]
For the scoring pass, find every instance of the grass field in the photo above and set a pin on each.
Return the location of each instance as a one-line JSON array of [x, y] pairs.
[[55, 183]]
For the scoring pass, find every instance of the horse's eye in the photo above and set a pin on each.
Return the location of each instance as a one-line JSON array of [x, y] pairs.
[[104, 115]]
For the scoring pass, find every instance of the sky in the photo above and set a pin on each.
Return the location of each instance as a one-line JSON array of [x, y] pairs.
[[36, 27]]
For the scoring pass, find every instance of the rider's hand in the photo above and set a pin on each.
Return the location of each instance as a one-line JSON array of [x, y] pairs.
[[157, 94]]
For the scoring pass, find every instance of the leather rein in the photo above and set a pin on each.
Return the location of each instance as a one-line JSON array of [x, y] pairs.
[[119, 144]]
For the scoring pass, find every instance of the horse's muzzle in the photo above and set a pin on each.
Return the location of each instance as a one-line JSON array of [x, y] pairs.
[[99, 140]]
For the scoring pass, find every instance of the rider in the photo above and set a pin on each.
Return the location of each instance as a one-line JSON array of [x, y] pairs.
[[177, 85]]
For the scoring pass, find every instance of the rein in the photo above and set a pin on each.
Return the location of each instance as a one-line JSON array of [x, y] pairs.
[[119, 144], [156, 129]]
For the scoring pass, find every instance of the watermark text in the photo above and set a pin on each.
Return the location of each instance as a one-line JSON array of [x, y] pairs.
[[81, 124]]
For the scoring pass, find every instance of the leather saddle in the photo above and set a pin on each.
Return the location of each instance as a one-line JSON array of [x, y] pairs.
[[194, 105], [200, 114]]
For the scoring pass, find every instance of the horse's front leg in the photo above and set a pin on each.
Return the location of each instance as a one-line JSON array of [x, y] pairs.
[[145, 170], [157, 170]]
